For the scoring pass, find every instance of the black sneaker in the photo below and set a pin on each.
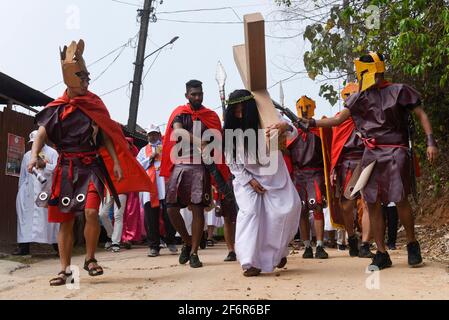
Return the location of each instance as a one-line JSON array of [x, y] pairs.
[[231, 257], [380, 261], [185, 254], [203, 242], [391, 246], [195, 261], [353, 243], [21, 252], [414, 254], [365, 252], [308, 253], [320, 253], [341, 247]]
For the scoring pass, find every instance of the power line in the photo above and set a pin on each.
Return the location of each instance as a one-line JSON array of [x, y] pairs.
[[234, 22], [127, 3], [286, 37], [195, 10], [289, 78], [109, 65], [126, 44], [203, 9], [116, 89], [98, 60], [151, 65], [201, 22]]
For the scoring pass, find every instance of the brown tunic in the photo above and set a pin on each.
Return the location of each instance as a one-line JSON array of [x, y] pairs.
[[72, 135], [382, 114], [189, 183], [308, 176], [350, 157]]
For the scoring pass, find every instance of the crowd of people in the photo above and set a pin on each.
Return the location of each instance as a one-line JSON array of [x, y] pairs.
[[170, 188]]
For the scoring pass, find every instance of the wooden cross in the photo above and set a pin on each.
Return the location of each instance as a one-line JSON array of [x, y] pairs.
[[251, 62]]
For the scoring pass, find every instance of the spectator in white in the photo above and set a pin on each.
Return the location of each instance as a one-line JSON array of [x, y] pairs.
[[114, 232], [154, 202], [212, 222], [32, 221]]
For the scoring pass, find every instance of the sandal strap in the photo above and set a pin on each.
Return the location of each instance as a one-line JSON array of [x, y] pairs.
[[88, 262], [61, 278]]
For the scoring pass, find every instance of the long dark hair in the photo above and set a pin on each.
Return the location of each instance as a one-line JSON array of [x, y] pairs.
[[250, 120]]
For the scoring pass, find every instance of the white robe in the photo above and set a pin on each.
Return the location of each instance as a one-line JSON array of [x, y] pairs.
[[266, 223], [209, 220], [32, 221]]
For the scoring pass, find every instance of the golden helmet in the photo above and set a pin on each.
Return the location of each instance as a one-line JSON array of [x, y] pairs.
[[305, 107], [349, 90], [366, 71]]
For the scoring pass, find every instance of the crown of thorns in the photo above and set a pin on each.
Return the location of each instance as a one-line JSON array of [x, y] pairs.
[[239, 100]]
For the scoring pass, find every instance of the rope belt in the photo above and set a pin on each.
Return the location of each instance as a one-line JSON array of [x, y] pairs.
[[371, 144], [84, 157]]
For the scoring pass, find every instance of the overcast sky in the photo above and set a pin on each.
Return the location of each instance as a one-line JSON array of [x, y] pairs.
[[33, 30]]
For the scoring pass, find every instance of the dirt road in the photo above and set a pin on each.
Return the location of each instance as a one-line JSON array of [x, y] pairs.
[[130, 274]]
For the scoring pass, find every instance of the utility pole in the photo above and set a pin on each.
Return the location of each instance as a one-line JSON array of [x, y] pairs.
[[137, 81]]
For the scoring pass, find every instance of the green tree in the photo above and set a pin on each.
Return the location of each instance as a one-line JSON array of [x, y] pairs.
[[413, 35]]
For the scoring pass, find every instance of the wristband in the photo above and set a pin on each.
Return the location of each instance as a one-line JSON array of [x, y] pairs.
[[430, 141]]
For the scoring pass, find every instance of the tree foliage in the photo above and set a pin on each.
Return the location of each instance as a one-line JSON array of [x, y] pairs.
[[413, 35]]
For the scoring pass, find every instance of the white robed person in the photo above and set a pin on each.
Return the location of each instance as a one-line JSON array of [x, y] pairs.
[[269, 205], [32, 221]]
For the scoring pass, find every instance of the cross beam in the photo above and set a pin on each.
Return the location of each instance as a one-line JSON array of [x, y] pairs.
[[250, 59]]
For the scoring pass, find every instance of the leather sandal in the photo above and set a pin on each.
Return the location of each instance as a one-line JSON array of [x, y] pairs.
[[94, 271], [282, 263], [252, 272], [61, 279]]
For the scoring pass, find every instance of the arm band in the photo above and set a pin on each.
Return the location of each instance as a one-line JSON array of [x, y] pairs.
[[430, 141]]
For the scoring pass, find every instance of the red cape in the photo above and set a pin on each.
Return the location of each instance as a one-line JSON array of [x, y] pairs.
[[340, 135], [206, 116], [134, 176]]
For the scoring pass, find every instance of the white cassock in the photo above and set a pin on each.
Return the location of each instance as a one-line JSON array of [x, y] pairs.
[[32, 221], [266, 223], [209, 220]]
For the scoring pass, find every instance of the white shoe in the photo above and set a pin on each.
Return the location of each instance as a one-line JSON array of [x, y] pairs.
[[115, 248], [108, 245], [172, 248]]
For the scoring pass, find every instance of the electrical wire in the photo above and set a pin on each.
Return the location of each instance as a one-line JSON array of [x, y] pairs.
[[109, 65], [116, 89], [127, 3], [128, 43]]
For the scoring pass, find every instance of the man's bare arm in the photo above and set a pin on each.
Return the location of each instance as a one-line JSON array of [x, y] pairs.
[[432, 150], [118, 173], [334, 121], [181, 132]]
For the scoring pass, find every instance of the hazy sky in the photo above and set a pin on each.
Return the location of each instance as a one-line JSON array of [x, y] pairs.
[[33, 30]]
